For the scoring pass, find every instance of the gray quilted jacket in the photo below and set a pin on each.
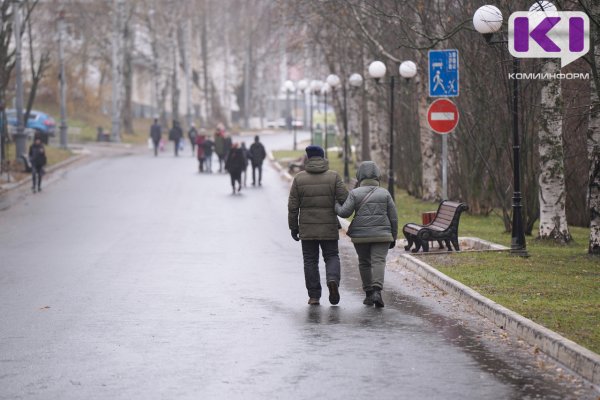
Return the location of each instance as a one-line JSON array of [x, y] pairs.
[[376, 220]]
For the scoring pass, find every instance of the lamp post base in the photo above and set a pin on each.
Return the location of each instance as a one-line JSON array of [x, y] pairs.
[[518, 252]]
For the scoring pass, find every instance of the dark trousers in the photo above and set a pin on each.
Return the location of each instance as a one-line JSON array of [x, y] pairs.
[[221, 161], [310, 253], [36, 177], [236, 176], [176, 141], [254, 168], [155, 143]]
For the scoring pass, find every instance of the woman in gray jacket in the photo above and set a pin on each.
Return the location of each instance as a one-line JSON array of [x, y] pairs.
[[373, 230]]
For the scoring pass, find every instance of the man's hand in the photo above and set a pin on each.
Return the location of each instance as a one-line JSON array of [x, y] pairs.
[[295, 233], [392, 244]]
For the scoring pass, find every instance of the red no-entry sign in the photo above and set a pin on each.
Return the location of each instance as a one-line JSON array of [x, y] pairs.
[[442, 116]]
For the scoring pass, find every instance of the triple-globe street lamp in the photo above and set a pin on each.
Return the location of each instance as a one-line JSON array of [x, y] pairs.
[[377, 70], [487, 20]]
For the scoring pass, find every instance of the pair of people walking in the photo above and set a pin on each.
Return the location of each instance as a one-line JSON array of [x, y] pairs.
[[316, 196], [175, 135]]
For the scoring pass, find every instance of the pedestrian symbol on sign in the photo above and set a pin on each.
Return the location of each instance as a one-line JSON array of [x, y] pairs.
[[443, 73]]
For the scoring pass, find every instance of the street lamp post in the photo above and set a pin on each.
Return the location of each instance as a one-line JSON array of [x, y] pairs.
[[302, 86], [63, 83], [334, 82], [487, 20], [289, 89], [315, 88], [377, 71], [355, 80], [325, 89]]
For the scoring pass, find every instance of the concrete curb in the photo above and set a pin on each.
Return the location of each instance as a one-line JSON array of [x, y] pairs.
[[575, 357]]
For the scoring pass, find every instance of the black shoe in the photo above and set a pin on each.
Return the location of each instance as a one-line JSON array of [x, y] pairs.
[[376, 298], [334, 293], [39, 189], [33, 189], [368, 301]]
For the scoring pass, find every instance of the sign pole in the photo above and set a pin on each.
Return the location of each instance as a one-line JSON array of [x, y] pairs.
[[444, 167]]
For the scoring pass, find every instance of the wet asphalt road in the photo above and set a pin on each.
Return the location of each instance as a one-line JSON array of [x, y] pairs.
[[135, 277]]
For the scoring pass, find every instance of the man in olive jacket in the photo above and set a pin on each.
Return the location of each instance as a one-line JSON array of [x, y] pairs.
[[312, 219]]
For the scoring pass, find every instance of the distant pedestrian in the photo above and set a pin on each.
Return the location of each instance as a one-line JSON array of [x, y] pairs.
[[201, 153], [312, 219], [257, 156], [246, 158], [155, 135], [208, 152], [235, 164], [192, 134], [373, 230], [175, 135], [37, 157], [220, 146]]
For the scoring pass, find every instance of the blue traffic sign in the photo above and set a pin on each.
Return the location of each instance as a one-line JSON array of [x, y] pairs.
[[443, 73]]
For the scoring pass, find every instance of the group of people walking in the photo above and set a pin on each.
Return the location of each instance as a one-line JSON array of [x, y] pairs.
[[317, 196], [232, 157]]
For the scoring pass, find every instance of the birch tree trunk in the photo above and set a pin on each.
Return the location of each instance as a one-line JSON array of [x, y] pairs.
[[552, 192], [594, 153]]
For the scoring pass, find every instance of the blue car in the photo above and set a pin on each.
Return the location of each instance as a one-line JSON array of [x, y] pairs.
[[43, 125]]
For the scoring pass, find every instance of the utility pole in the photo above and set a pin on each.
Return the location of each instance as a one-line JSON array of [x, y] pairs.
[[116, 70], [20, 141], [63, 84]]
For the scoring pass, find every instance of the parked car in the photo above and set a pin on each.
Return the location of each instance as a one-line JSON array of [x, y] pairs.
[[41, 123]]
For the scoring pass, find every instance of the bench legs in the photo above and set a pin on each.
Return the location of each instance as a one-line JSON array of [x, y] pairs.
[[418, 243]]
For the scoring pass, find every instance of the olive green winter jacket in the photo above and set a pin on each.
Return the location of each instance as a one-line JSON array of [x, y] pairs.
[[313, 196], [376, 219]]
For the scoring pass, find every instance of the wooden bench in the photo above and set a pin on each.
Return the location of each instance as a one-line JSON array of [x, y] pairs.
[[444, 228]]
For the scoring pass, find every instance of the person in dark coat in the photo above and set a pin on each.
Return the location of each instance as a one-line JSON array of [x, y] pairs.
[[155, 135], [37, 157], [208, 152], [175, 135], [220, 146], [312, 219], [257, 156], [373, 230], [200, 139], [235, 164], [192, 134]]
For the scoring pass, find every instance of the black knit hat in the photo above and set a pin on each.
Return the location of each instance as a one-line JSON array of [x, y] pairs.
[[315, 151]]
